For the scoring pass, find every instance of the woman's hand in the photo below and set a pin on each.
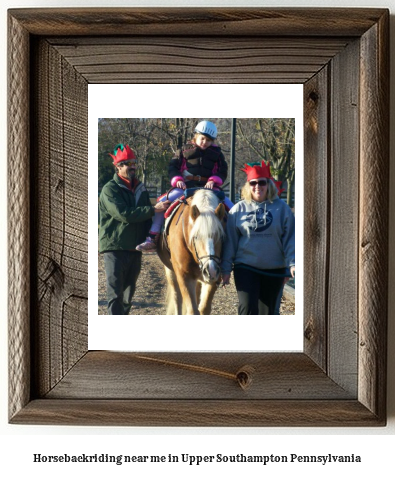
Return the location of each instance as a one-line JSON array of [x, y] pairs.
[[181, 185], [210, 184], [292, 272], [225, 279]]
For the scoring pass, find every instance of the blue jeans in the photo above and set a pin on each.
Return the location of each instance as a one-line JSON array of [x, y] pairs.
[[122, 270]]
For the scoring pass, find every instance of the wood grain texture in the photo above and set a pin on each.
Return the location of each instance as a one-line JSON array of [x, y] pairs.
[[344, 216], [18, 218], [197, 59], [187, 376], [317, 387], [61, 199], [316, 214], [201, 413], [202, 22], [374, 223]]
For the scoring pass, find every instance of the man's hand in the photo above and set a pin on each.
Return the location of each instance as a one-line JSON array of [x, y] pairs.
[[210, 184], [162, 206], [181, 185]]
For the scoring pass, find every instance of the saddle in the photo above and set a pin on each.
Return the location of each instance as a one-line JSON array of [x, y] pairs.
[[174, 206], [169, 214]]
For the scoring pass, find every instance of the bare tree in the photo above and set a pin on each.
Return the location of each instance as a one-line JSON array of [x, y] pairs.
[[156, 141], [270, 139]]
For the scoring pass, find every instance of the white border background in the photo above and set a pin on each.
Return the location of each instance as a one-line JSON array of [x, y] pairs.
[[20, 442], [173, 333]]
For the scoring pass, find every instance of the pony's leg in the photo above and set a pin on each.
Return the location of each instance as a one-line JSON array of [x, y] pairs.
[[206, 298], [198, 291], [178, 310], [173, 296], [188, 292]]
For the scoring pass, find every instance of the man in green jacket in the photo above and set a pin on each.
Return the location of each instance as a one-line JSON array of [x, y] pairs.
[[125, 219]]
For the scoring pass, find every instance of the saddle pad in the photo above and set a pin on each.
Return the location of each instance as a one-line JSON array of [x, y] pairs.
[[170, 217], [173, 206]]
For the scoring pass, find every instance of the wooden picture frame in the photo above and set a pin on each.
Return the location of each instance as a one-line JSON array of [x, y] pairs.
[[342, 58]]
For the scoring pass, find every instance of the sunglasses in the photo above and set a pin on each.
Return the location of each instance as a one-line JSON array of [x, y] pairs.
[[262, 182], [128, 163]]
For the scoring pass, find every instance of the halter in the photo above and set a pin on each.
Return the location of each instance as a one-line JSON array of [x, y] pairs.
[[208, 257], [200, 260]]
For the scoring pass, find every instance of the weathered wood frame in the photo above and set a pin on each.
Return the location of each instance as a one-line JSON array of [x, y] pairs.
[[342, 57]]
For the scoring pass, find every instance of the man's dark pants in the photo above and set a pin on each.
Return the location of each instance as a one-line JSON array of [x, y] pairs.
[[122, 270]]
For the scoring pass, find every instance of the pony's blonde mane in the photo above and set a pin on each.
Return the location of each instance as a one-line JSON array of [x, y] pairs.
[[207, 225]]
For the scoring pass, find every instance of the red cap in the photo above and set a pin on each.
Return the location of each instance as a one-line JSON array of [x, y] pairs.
[[256, 171], [122, 153]]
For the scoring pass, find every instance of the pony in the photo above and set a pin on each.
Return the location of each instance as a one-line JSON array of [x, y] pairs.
[[190, 249]]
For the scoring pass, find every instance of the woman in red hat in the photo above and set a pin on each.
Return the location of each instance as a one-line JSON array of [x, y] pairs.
[[260, 243]]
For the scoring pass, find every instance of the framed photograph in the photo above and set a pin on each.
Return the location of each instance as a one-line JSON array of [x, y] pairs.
[[341, 59], [122, 113]]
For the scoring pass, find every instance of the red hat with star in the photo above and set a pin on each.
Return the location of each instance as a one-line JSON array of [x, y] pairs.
[[122, 153]]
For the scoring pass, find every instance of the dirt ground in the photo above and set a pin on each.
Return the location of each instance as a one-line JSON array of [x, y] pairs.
[[149, 298]]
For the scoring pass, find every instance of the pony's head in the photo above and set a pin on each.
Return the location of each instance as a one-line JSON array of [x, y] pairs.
[[207, 233]]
